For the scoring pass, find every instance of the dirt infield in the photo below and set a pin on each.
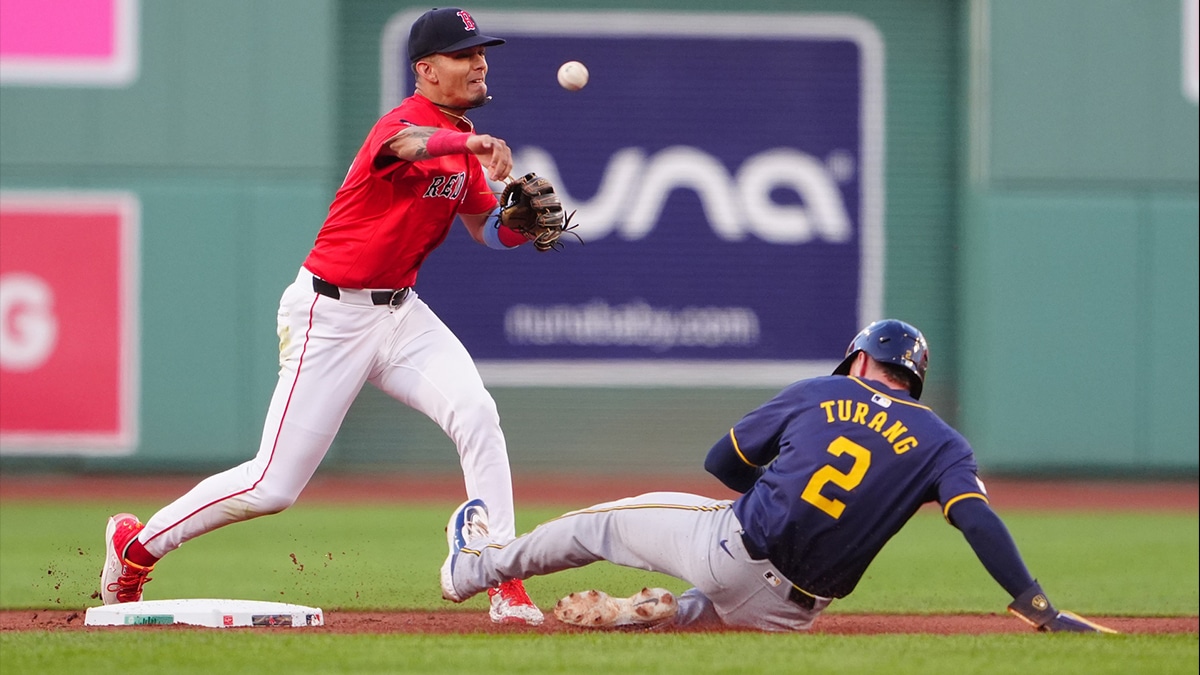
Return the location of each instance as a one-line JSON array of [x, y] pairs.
[[457, 622], [572, 491]]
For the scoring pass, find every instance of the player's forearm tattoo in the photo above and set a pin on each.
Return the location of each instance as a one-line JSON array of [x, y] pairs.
[[421, 136]]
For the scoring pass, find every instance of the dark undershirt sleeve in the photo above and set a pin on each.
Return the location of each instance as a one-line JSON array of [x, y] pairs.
[[992, 543], [724, 462]]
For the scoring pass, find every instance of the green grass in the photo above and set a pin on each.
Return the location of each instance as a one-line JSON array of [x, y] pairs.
[[333, 557], [1094, 563], [386, 557], [204, 652]]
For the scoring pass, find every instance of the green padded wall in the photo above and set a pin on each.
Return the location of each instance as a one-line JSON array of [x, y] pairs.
[[1078, 268], [226, 140]]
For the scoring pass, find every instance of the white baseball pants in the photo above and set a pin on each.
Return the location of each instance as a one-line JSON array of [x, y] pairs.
[[328, 348]]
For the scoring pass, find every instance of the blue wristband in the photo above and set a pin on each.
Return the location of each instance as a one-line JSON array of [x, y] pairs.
[[491, 233]]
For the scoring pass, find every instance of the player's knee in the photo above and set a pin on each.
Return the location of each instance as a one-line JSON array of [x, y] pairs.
[[472, 417], [267, 502], [480, 410]]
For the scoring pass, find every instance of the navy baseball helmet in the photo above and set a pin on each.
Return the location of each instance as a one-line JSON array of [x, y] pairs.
[[445, 30], [891, 341]]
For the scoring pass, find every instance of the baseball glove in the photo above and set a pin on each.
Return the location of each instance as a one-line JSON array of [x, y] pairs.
[[529, 206]]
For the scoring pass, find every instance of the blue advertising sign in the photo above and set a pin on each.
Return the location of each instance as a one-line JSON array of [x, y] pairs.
[[727, 176]]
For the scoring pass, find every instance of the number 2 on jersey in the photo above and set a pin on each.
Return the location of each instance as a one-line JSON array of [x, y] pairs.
[[828, 474]]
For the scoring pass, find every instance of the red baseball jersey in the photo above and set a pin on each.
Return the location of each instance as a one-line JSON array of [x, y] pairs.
[[389, 214]]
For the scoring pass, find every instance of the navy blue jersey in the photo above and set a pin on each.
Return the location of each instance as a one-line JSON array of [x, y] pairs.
[[848, 462]]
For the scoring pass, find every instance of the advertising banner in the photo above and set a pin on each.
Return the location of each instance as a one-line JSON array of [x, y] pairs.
[[69, 42], [726, 173], [68, 323]]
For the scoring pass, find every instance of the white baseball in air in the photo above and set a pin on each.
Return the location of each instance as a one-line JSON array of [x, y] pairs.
[[572, 75]]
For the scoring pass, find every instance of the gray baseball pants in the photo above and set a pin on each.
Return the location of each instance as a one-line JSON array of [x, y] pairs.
[[686, 536]]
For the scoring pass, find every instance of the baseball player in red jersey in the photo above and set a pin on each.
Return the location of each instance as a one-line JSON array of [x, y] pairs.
[[351, 316]]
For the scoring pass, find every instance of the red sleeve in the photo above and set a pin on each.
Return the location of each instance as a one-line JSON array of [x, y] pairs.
[[383, 163]]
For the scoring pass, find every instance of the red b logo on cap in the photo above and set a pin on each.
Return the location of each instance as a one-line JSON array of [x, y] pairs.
[[467, 20]]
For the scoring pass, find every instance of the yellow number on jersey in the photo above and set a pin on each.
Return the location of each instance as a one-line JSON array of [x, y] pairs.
[[828, 474]]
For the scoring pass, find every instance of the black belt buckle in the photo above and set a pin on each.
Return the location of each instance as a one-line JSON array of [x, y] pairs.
[[392, 299]]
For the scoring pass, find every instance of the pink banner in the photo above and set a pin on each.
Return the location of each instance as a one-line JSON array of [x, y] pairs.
[[67, 317], [68, 42], [58, 28]]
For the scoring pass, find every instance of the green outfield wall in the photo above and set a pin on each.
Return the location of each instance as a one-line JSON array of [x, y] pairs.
[[1040, 220], [1078, 260]]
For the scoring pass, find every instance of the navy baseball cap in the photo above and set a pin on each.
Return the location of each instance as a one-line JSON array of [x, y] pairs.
[[440, 31]]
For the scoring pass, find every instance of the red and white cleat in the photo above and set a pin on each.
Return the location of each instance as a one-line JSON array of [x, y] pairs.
[[511, 604], [121, 580]]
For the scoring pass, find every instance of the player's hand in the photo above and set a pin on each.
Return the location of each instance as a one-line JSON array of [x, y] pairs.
[[1034, 608], [493, 153]]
